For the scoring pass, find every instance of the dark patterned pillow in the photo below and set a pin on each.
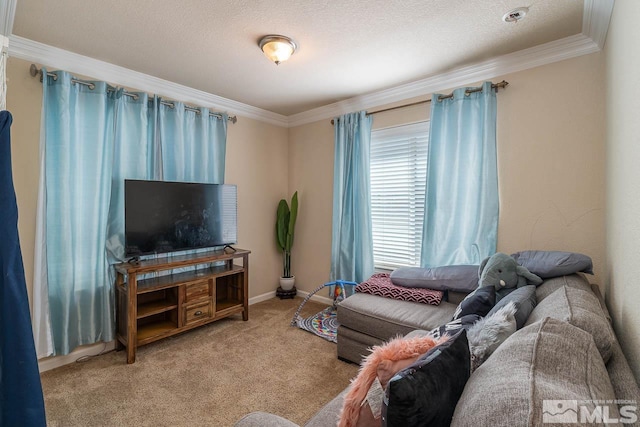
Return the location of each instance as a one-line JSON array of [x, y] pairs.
[[454, 326], [426, 393], [479, 302], [525, 301], [380, 284]]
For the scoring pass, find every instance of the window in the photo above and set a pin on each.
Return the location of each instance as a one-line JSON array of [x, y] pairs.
[[398, 175]]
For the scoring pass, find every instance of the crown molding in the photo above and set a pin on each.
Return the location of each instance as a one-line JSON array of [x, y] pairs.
[[595, 20], [54, 57], [595, 23], [547, 53], [8, 12]]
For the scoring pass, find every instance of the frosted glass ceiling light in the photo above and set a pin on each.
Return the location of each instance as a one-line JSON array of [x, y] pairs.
[[277, 48]]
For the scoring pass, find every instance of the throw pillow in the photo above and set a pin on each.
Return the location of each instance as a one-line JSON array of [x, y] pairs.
[[488, 333], [380, 284], [548, 264], [426, 393], [457, 278], [479, 302], [454, 326], [396, 349], [525, 301]]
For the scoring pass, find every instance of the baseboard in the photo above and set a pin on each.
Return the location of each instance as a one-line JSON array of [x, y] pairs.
[[300, 294], [263, 297], [48, 363], [317, 298]]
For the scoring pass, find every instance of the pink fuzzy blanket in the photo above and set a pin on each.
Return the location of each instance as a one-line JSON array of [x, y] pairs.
[[395, 350]]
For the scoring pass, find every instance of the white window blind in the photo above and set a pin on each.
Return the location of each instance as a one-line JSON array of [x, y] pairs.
[[398, 175]]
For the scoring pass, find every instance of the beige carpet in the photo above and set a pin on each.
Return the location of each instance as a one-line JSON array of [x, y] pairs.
[[210, 376]]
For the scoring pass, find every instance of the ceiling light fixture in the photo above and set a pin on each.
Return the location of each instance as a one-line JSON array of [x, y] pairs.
[[515, 15], [277, 48]]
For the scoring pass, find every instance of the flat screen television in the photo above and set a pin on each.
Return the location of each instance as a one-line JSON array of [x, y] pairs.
[[163, 216]]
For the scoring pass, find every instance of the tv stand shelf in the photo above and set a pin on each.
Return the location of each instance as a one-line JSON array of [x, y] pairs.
[[158, 307]]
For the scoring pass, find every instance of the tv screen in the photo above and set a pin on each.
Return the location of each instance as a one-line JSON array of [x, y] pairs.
[[162, 216]]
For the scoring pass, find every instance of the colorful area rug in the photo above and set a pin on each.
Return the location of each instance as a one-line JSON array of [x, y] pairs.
[[324, 324]]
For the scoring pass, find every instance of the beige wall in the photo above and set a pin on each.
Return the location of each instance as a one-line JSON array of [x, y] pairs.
[[550, 156], [623, 176], [550, 160], [257, 161], [311, 174], [551, 123]]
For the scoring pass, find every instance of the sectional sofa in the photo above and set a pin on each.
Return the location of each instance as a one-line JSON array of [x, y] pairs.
[[566, 352]]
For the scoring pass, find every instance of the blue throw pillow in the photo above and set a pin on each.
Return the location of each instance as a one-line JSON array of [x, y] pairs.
[[455, 278], [547, 264], [427, 392]]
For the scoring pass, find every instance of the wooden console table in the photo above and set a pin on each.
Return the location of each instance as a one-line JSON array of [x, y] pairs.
[[154, 308]]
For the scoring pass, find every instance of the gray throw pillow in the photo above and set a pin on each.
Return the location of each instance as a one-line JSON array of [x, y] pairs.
[[548, 264], [456, 278], [489, 332], [524, 299]]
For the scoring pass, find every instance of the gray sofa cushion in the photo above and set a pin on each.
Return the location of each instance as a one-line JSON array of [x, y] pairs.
[[549, 286], [458, 278], [329, 415], [549, 359], [581, 309], [384, 318]]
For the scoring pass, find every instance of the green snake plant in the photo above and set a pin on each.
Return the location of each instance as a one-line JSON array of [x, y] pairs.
[[285, 224]]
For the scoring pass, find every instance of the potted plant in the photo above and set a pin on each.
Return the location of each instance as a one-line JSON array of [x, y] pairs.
[[285, 224]]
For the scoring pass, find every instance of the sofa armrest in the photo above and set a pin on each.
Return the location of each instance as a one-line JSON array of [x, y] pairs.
[[264, 419]]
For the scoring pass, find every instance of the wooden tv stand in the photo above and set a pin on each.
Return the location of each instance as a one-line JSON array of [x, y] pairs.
[[158, 307]]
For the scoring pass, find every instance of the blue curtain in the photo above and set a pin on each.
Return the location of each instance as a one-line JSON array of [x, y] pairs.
[[21, 401], [352, 241], [461, 197], [79, 136], [93, 138], [135, 156], [193, 144]]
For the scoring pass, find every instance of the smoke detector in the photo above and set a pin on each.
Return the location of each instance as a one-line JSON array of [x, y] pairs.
[[516, 14]]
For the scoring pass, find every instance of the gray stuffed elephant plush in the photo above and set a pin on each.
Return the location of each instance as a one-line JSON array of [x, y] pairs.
[[503, 273]]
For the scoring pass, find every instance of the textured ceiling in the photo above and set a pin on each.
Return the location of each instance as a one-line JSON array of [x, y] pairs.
[[346, 48]]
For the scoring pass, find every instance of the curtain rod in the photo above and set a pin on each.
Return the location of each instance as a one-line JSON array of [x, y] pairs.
[[496, 86], [34, 71]]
